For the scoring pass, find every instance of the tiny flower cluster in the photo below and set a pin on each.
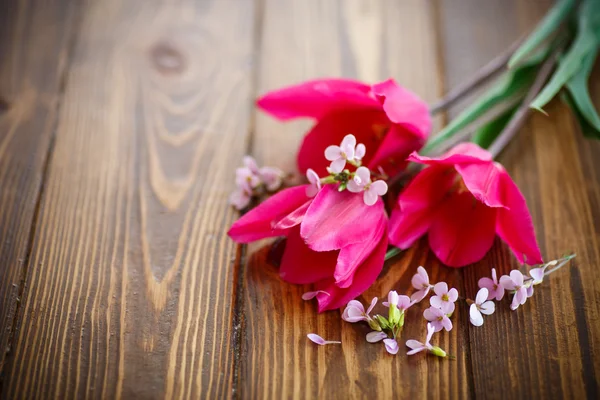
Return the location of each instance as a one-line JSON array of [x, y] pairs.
[[515, 282], [387, 330], [250, 181], [442, 306], [358, 181]]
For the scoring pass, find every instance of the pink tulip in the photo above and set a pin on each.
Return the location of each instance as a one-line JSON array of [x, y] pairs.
[[462, 200], [386, 117], [334, 240]]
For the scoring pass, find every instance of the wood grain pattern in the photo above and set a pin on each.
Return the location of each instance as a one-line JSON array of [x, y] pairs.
[[131, 287], [33, 57], [131, 280]]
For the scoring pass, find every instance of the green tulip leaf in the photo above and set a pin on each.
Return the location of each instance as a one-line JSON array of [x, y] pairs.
[[586, 42], [511, 86], [587, 129], [578, 89], [543, 30], [486, 135]]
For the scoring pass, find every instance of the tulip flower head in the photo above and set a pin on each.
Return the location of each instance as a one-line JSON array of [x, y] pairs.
[[462, 200]]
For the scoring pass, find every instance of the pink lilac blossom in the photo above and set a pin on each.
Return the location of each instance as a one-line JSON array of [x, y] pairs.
[[514, 282], [537, 277], [374, 337], [443, 297], [388, 118], [495, 290], [481, 306], [362, 183], [401, 301], [339, 155], [462, 200], [417, 347], [313, 337], [420, 281], [438, 317], [391, 345], [355, 311]]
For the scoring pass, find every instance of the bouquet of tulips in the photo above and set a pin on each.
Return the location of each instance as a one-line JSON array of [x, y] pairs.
[[378, 180]]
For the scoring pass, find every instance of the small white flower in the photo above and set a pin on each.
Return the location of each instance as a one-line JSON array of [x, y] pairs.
[[362, 183], [481, 306], [346, 151]]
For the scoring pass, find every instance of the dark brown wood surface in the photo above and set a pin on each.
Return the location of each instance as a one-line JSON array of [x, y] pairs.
[[121, 124]]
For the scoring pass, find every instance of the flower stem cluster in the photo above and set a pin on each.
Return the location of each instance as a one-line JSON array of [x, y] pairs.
[[358, 181]]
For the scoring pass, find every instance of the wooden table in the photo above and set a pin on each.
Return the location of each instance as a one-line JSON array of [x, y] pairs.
[[121, 124]]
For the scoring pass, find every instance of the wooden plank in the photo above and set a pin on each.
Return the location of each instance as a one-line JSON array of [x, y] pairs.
[[131, 279], [546, 349], [370, 41], [34, 44]]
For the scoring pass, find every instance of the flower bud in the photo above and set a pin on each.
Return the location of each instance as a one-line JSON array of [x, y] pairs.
[[401, 321], [394, 314], [436, 351], [383, 322], [374, 325]]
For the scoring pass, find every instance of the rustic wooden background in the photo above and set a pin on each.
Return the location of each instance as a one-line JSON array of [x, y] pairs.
[[121, 124]]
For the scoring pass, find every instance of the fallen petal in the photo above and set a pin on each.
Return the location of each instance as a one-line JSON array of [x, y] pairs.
[[313, 337]]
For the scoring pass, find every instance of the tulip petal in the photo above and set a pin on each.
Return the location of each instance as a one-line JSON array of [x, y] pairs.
[[259, 222], [353, 255], [463, 230], [515, 226], [332, 128], [294, 218], [301, 265], [364, 277], [484, 182], [336, 219], [404, 107], [316, 98], [414, 214], [397, 145], [461, 153]]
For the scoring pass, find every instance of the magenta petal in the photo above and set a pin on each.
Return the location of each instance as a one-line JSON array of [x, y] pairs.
[[301, 265], [316, 98], [515, 225], [336, 219], [397, 145], [484, 182], [331, 130], [404, 107], [462, 153], [294, 218], [364, 277], [258, 223], [353, 255], [414, 214], [463, 230]]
